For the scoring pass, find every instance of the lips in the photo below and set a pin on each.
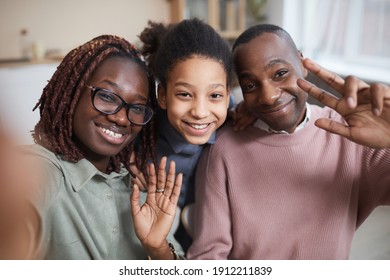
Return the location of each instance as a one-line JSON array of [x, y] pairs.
[[198, 126], [111, 136], [278, 108], [111, 133]]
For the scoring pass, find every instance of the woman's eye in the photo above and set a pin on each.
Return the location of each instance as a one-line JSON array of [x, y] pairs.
[[106, 96]]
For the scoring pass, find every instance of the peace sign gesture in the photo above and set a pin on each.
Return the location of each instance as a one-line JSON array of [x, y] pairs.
[[365, 108]]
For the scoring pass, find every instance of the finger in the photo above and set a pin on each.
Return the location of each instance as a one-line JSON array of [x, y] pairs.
[[319, 94], [162, 174], [353, 86], [135, 200], [152, 179], [139, 175], [138, 182], [333, 127], [176, 189], [170, 178], [379, 93], [327, 76]]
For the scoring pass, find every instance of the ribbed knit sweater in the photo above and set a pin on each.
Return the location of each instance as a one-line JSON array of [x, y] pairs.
[[285, 196]]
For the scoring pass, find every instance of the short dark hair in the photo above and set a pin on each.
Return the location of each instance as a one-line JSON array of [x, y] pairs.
[[166, 45], [259, 29], [58, 101]]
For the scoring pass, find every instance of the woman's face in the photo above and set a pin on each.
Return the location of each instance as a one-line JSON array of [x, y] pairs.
[[196, 98], [101, 136]]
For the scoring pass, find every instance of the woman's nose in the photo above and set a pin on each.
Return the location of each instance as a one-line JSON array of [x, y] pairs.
[[120, 117]]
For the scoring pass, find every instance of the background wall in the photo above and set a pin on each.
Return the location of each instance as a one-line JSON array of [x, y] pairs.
[[63, 25]]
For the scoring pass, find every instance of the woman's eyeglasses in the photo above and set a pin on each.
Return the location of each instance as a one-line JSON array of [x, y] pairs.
[[109, 103]]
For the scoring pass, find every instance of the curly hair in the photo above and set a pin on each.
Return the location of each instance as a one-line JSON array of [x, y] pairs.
[[166, 45], [60, 96]]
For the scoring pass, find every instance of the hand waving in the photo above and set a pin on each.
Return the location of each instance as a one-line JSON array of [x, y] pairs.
[[153, 220], [365, 108]]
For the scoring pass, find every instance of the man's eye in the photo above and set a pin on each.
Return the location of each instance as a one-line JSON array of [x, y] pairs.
[[281, 73], [249, 87]]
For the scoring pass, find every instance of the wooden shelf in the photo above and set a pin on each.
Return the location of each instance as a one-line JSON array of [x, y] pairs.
[[228, 17]]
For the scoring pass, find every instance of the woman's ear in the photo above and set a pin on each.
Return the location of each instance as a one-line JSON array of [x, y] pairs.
[[162, 97]]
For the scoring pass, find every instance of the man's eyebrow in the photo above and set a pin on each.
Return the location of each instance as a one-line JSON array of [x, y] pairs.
[[274, 62]]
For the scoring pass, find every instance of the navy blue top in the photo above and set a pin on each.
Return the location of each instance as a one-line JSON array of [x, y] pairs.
[[172, 144]]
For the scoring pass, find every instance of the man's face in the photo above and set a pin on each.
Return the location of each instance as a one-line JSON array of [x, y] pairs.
[[268, 68]]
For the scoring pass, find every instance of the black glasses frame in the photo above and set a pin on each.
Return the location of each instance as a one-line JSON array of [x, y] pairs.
[[124, 104]]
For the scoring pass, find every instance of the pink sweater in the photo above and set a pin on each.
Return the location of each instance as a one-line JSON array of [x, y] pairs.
[[278, 196]]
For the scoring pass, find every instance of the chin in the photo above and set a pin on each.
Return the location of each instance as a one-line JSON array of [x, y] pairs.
[[197, 140]]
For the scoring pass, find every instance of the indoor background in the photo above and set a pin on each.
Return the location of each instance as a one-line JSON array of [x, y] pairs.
[[346, 36]]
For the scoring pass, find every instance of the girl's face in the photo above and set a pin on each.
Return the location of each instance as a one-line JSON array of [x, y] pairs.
[[102, 136], [196, 98]]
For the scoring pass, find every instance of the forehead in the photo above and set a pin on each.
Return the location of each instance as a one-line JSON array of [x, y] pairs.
[[116, 65], [263, 49], [198, 69]]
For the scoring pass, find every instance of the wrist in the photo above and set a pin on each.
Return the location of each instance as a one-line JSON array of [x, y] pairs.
[[165, 252]]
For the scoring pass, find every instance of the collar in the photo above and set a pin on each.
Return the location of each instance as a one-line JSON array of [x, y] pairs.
[[83, 171], [263, 126], [175, 140]]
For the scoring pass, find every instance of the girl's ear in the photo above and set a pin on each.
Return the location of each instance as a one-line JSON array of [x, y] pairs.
[[162, 97], [228, 98]]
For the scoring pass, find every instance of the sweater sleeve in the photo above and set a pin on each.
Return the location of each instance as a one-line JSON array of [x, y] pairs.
[[375, 184], [212, 226]]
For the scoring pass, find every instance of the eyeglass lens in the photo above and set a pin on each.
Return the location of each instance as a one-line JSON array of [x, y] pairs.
[[109, 103]]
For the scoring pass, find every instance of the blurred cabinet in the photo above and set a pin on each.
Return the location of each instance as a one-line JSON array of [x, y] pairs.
[[228, 17]]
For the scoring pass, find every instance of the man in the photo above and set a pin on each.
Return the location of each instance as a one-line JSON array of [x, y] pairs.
[[283, 188]]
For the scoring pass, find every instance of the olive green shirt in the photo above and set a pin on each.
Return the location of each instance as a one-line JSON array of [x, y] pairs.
[[86, 213]]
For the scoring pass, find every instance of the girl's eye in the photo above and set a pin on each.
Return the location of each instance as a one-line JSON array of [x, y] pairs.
[[216, 95], [281, 73], [183, 94]]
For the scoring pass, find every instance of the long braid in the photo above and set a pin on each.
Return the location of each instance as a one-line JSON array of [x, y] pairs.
[[62, 93]]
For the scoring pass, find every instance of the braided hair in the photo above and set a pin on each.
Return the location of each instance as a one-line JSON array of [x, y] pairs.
[[164, 46], [60, 96]]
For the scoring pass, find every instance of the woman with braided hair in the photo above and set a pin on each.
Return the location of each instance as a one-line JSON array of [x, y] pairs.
[[100, 101]]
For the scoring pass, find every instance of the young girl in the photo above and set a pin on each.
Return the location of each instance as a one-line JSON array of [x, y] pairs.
[[193, 68], [98, 101]]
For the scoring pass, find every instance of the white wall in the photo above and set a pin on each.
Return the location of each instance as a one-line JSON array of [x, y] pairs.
[[65, 24]]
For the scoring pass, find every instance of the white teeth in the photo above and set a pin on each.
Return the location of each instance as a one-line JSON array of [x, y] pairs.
[[111, 133], [198, 126]]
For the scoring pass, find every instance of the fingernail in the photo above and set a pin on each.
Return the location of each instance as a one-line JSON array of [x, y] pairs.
[[376, 112]]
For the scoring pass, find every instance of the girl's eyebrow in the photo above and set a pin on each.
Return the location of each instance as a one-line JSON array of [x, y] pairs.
[[188, 85]]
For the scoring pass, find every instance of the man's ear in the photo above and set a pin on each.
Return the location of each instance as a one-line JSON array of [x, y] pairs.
[[162, 97], [304, 70]]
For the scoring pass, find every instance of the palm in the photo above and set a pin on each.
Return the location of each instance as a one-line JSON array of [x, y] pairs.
[[154, 219], [367, 119]]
